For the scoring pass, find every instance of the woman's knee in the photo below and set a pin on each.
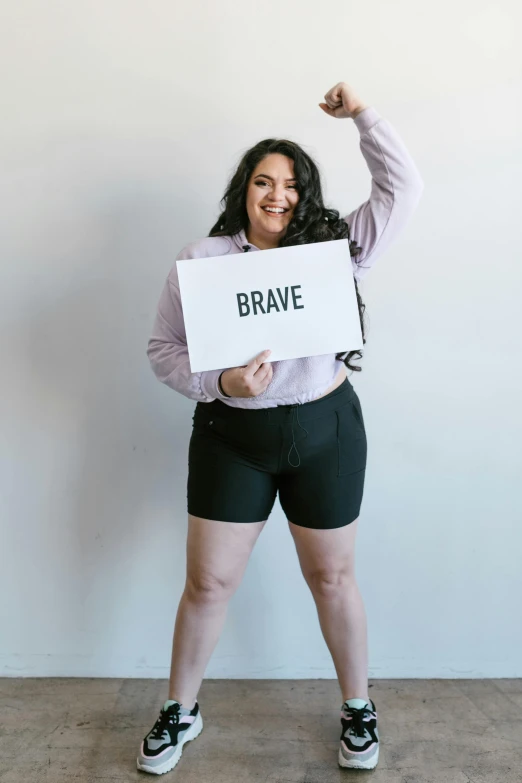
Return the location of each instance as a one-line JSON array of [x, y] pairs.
[[328, 582], [207, 587]]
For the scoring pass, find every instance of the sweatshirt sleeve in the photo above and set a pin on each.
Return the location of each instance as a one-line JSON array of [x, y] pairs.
[[167, 348], [395, 191]]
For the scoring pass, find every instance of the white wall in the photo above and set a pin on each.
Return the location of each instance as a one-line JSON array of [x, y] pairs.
[[121, 122]]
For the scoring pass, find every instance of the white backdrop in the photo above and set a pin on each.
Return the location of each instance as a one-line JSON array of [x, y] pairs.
[[121, 121]]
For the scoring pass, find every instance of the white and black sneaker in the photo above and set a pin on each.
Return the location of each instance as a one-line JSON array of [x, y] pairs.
[[359, 737], [161, 749]]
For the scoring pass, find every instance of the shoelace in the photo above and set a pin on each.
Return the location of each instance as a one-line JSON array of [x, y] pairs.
[[169, 716], [357, 727]]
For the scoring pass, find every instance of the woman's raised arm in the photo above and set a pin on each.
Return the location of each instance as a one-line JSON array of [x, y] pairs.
[[396, 182]]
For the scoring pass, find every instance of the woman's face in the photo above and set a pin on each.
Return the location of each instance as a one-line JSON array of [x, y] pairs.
[[271, 198]]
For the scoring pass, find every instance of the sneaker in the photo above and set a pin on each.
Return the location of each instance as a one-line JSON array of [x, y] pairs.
[[161, 749], [359, 737]]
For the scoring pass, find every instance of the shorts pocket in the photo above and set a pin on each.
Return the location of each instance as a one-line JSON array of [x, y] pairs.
[[351, 438], [206, 422]]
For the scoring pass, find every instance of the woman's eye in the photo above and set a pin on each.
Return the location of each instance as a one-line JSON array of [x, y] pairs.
[[260, 182]]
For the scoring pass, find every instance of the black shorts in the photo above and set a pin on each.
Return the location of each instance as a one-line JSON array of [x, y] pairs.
[[313, 454]]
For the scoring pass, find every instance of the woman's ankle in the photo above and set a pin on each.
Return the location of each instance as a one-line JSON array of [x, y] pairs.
[[188, 703]]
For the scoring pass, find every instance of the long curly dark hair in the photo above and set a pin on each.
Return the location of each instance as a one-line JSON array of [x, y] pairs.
[[311, 220]]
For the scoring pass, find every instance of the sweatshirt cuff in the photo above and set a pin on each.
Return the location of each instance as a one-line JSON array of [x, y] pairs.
[[209, 384], [367, 119]]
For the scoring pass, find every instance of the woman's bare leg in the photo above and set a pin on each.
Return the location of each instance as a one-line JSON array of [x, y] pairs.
[[217, 555], [327, 562]]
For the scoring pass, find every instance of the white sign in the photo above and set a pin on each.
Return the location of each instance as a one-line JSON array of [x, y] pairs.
[[297, 301]]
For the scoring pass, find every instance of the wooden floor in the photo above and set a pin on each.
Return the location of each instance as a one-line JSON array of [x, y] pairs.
[[271, 731]]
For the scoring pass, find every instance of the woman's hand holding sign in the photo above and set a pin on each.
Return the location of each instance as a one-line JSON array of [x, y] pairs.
[[249, 381]]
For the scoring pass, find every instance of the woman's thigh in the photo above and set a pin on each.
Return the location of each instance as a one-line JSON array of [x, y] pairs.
[[232, 465], [218, 552], [325, 490], [325, 554]]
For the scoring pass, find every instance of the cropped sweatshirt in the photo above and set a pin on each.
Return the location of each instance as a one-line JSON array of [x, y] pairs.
[[395, 192]]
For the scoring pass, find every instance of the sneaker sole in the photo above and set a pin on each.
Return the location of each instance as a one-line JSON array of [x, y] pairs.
[[355, 763], [194, 731]]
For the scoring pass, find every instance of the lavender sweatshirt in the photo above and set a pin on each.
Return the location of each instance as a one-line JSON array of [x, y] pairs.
[[395, 192]]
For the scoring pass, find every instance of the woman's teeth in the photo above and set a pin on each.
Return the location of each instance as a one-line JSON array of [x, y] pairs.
[[274, 212]]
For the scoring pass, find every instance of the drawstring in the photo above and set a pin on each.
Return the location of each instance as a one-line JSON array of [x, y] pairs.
[[293, 446]]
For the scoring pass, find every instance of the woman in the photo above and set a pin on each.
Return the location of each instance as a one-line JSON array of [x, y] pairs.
[[293, 427]]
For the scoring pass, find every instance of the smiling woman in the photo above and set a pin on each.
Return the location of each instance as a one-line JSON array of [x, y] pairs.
[[275, 197], [270, 200], [291, 428]]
